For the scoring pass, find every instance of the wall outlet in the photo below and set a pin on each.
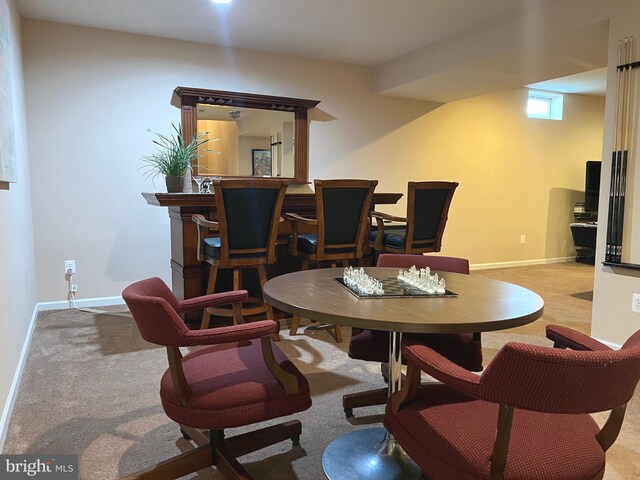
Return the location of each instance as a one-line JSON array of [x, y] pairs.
[[635, 303], [523, 240], [69, 266]]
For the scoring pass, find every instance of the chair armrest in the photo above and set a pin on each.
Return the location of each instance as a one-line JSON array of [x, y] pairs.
[[564, 337], [204, 226], [380, 218], [212, 300], [233, 333], [386, 216], [203, 222], [441, 368], [295, 218]]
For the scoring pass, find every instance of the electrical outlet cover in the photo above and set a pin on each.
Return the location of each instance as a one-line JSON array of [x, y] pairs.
[[635, 303], [69, 266]]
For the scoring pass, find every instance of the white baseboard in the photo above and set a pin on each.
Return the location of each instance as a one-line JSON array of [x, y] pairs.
[[13, 391], [521, 263], [85, 302]]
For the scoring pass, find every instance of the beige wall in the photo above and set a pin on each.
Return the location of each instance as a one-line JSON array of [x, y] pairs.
[[92, 95], [517, 176], [613, 319], [17, 271], [221, 155]]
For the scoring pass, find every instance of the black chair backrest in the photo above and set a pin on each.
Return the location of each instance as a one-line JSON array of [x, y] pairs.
[[427, 211], [249, 213], [342, 208]]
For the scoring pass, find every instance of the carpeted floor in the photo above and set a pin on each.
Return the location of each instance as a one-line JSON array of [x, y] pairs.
[[90, 387]]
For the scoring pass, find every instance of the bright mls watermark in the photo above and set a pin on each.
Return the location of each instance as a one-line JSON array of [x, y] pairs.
[[50, 467]]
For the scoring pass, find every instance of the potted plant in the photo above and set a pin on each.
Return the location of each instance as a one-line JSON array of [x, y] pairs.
[[173, 158]]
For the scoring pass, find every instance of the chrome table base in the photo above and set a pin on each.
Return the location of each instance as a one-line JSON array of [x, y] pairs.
[[372, 453], [367, 454]]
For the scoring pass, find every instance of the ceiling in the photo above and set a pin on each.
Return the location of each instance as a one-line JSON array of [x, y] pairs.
[[405, 41], [592, 82], [362, 32]]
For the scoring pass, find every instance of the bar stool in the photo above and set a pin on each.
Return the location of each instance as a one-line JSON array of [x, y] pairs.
[[427, 210], [244, 236], [342, 217]]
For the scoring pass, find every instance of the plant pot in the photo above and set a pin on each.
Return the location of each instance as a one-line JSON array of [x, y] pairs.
[[174, 184]]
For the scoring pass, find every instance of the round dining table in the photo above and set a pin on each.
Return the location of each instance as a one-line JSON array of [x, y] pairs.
[[476, 304]]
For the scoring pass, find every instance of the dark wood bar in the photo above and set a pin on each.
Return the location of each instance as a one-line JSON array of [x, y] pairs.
[[188, 275]]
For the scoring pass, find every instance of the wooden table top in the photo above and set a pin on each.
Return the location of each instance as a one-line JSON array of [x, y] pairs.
[[482, 304]]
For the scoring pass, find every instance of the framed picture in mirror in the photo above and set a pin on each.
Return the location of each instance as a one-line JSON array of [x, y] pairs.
[[261, 162]]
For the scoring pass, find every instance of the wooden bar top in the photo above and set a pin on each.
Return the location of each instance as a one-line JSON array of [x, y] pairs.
[[208, 199]]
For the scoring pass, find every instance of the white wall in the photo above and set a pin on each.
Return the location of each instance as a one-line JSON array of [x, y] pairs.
[[613, 288], [17, 272]]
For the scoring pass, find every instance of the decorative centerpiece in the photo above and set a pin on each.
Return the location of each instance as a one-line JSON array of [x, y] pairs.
[[173, 158], [422, 280], [412, 283], [360, 282]]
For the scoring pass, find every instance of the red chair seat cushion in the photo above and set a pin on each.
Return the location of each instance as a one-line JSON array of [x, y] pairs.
[[231, 386], [373, 346], [451, 436]]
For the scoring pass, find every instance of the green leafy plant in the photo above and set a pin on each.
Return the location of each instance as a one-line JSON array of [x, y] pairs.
[[173, 158]]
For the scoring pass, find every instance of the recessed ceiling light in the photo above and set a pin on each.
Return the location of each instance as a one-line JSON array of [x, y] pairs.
[[221, 1]]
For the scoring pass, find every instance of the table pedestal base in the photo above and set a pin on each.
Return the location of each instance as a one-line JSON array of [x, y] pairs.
[[367, 454]]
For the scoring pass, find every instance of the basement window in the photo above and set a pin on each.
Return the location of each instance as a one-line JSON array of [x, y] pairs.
[[544, 105]]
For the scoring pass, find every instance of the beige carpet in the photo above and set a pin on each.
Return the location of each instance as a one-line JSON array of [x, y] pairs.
[[90, 387]]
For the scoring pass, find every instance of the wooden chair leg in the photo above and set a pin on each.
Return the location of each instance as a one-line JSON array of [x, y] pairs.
[[211, 285], [338, 331], [295, 324], [257, 439], [263, 279], [237, 279], [229, 466], [364, 399], [176, 467]]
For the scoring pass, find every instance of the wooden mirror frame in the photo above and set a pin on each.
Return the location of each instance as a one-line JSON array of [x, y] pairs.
[[188, 98]]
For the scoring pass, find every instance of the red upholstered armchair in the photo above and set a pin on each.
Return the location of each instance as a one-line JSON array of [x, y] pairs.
[[526, 416], [465, 349], [240, 378]]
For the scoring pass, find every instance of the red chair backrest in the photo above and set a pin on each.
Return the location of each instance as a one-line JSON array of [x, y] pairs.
[[153, 307], [562, 381], [435, 262]]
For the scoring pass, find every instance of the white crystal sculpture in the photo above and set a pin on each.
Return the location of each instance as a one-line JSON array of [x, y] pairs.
[[423, 280]]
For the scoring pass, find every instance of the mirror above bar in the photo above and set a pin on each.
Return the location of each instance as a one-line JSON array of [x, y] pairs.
[[246, 142], [257, 135]]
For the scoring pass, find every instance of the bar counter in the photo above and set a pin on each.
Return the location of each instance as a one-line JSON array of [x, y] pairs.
[[188, 275]]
